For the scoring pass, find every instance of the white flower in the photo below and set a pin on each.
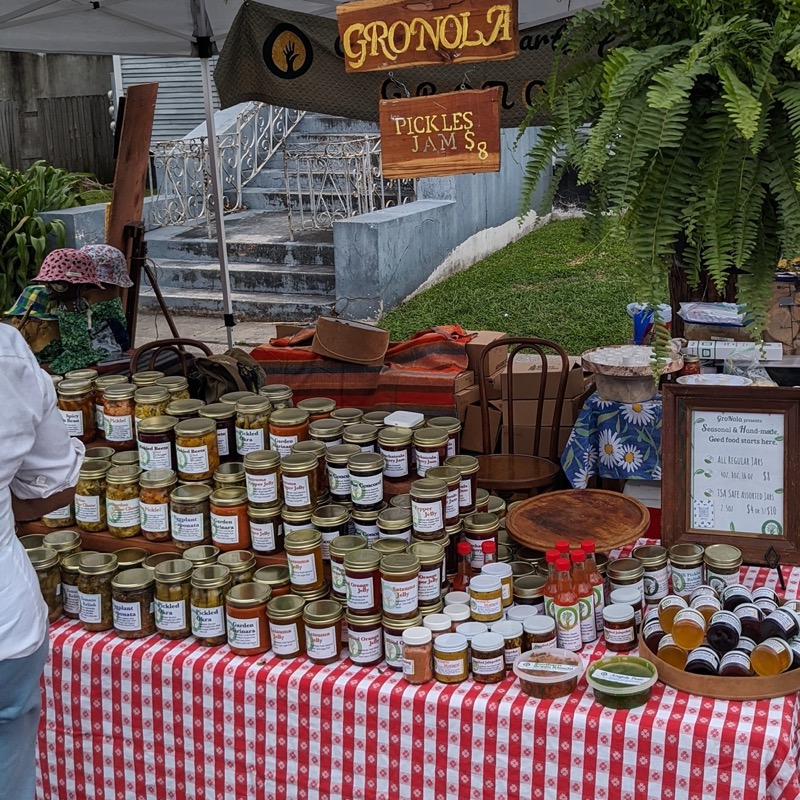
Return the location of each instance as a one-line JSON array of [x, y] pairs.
[[602, 403], [631, 458], [590, 456], [655, 473], [581, 478], [638, 413], [610, 448]]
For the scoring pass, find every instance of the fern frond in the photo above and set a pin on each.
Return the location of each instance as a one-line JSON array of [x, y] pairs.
[[789, 96], [537, 160], [793, 57], [782, 177], [743, 108]]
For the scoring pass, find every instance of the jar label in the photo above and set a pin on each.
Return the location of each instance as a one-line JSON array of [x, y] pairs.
[[507, 590], [408, 666], [154, 517], [512, 654], [99, 417], [338, 578], [784, 619], [465, 499], [542, 666], [91, 607], [224, 529], [651, 626], [263, 536], [599, 605], [289, 527], [72, 600], [396, 463], [619, 636], [339, 481], [262, 488], [302, 569], [451, 446], [427, 517], [568, 626], [360, 594], [477, 552], [426, 461], [686, 579], [703, 657], [208, 622], [222, 442], [365, 646], [777, 646], [321, 642], [487, 666], [127, 616], [285, 641], [243, 633], [171, 615], [367, 530], [60, 513], [400, 597], [74, 422], [192, 460], [366, 490], [155, 456], [491, 607], [718, 582], [296, 490], [87, 508], [187, 527], [249, 440], [548, 606], [616, 677], [430, 585], [451, 504], [450, 669], [393, 645], [737, 658], [690, 615], [588, 627], [118, 429], [367, 448], [656, 584], [123, 513], [283, 444]]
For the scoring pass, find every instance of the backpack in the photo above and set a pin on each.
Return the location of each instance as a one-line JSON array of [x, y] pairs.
[[235, 371]]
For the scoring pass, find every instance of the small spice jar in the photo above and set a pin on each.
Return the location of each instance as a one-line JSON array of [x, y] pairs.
[[185, 409], [246, 619], [318, 408], [430, 449], [428, 508], [326, 431], [429, 580], [512, 633], [146, 377], [295, 520], [366, 480], [625, 573], [298, 478], [230, 476], [364, 639], [100, 385], [347, 416], [365, 523], [319, 450], [173, 591], [394, 444], [90, 496], [480, 528], [69, 585], [286, 625], [304, 556], [458, 613], [485, 598], [363, 579], [190, 516], [224, 416], [266, 530], [338, 550], [230, 525], [503, 572], [393, 630], [656, 572], [395, 523], [132, 603], [363, 435], [399, 585], [276, 576], [686, 568], [95, 573], [240, 563], [323, 629], [338, 473], [122, 501], [45, 562], [149, 402], [332, 521], [539, 632], [76, 406], [287, 427], [487, 656], [279, 395], [722, 565], [618, 628], [196, 449], [119, 413], [176, 385], [210, 584], [417, 655], [450, 658], [452, 477], [252, 420], [156, 443]]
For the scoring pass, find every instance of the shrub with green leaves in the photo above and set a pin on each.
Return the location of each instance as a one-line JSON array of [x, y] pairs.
[[694, 138], [23, 233]]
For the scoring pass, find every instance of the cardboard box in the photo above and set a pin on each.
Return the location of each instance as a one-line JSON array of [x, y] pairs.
[[497, 357], [471, 433], [525, 411], [721, 350], [463, 381], [465, 398], [523, 440], [527, 379]]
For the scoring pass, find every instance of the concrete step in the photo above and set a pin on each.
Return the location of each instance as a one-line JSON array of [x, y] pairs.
[[261, 307], [324, 123], [247, 277]]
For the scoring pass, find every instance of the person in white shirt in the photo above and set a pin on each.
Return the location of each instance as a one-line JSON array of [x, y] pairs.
[[39, 466]]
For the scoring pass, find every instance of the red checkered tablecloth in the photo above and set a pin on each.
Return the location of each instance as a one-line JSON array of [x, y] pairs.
[[156, 719]]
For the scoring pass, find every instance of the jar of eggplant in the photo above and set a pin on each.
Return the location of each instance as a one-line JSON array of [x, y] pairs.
[[190, 516], [95, 573], [173, 591], [210, 584], [132, 603]]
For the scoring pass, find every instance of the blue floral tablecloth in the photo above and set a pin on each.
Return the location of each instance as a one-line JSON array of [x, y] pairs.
[[614, 440]]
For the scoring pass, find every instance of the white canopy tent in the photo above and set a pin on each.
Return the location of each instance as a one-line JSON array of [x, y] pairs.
[[175, 28]]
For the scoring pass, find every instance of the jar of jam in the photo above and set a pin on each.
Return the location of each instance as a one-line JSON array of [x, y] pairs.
[[347, 416], [304, 555], [539, 632], [286, 626], [618, 628], [722, 565], [702, 661], [393, 630], [626, 573], [298, 478], [262, 475], [395, 523], [686, 567], [100, 385], [782, 623], [196, 449], [95, 573], [146, 378], [276, 576], [691, 365], [429, 580], [394, 444], [656, 574], [172, 598], [363, 578], [487, 656], [266, 530], [428, 508], [364, 639], [363, 435], [318, 450], [156, 442], [122, 501], [224, 416], [279, 395], [252, 419], [529, 590], [773, 656], [185, 409], [453, 427], [365, 523], [338, 549], [210, 584], [451, 658], [652, 632], [190, 516], [246, 618], [485, 598], [629, 596], [132, 603], [295, 520], [287, 427], [376, 418], [327, 431], [400, 585], [430, 449], [230, 525], [176, 385], [735, 664], [480, 528], [451, 551], [734, 595], [204, 555], [332, 521], [318, 408], [149, 402], [118, 414], [338, 473], [366, 480], [452, 477], [497, 506], [76, 405], [69, 585]]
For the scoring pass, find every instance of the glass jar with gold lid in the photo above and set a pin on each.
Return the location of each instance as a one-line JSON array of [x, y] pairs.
[[210, 584], [276, 576], [252, 421], [155, 488], [224, 416], [480, 528], [184, 409], [298, 477], [336, 460], [347, 416], [230, 525], [86, 374], [452, 477], [230, 476], [428, 508], [122, 501], [100, 385], [395, 445], [176, 385], [150, 401], [241, 563], [146, 377], [400, 585], [332, 521], [326, 430], [60, 518], [232, 398], [266, 529], [132, 603], [196, 448], [320, 451], [375, 418], [453, 427], [76, 406], [69, 585], [279, 395], [173, 591], [118, 414], [323, 628], [295, 520], [45, 564], [156, 442], [722, 565], [286, 628], [468, 486], [95, 573], [190, 516], [318, 407], [395, 523], [246, 614], [338, 550], [287, 427], [362, 434], [90, 496], [63, 542], [430, 448], [304, 557], [366, 480]]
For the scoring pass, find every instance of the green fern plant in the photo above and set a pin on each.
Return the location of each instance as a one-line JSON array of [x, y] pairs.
[[693, 145]]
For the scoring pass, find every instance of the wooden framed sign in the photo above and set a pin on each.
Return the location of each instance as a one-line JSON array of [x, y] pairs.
[[444, 134], [387, 34], [730, 461]]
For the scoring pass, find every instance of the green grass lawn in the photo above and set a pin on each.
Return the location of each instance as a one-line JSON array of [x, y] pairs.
[[553, 283]]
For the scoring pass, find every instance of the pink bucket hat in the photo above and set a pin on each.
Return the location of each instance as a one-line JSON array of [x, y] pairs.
[[110, 264], [69, 266]]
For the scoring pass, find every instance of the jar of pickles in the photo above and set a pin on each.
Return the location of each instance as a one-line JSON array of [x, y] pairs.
[[95, 573], [362, 434], [323, 628], [203, 555], [252, 420], [286, 628], [266, 529], [155, 488], [176, 385], [196, 449], [246, 615], [298, 477], [395, 445], [279, 395], [327, 431], [428, 508], [452, 477], [151, 401], [210, 584], [240, 563], [76, 405], [304, 555], [63, 542], [118, 414], [122, 501], [224, 416], [156, 441], [190, 516], [172, 598], [100, 385], [338, 473], [132, 603], [90, 496], [453, 427], [287, 427], [184, 409], [430, 448], [331, 521], [366, 480], [230, 525], [45, 563], [318, 408]]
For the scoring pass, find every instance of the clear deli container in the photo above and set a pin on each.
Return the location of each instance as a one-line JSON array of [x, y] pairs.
[[622, 682], [548, 674]]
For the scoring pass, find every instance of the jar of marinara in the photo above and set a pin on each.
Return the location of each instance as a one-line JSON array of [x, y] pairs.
[[428, 508], [185, 409], [176, 385], [196, 449], [363, 577], [429, 579], [394, 444], [399, 585], [118, 414], [338, 473], [156, 443], [364, 639], [230, 476], [395, 523], [146, 377], [190, 516], [264, 488], [304, 555], [252, 419], [366, 480], [468, 486], [266, 529], [430, 448], [319, 450], [480, 528], [276, 577], [240, 563], [150, 401], [224, 416], [328, 431], [76, 405], [246, 619], [347, 416], [298, 477], [339, 548], [332, 521], [453, 427], [452, 477], [279, 395], [287, 427], [100, 384], [362, 434], [122, 501], [230, 525], [286, 626], [318, 408]]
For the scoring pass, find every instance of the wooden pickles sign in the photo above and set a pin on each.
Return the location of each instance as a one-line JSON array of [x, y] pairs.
[[445, 134], [387, 34]]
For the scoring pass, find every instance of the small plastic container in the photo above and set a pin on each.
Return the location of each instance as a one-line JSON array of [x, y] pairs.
[[548, 674], [622, 682]]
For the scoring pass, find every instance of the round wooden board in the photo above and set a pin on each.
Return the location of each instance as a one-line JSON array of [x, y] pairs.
[[754, 688], [611, 519]]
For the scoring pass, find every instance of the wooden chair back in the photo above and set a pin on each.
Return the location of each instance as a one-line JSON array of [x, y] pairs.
[[156, 348]]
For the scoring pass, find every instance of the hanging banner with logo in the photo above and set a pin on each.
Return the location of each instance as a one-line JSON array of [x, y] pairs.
[[388, 34], [295, 60]]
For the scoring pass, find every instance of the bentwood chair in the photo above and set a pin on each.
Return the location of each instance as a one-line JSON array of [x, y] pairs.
[[161, 354], [514, 472]]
